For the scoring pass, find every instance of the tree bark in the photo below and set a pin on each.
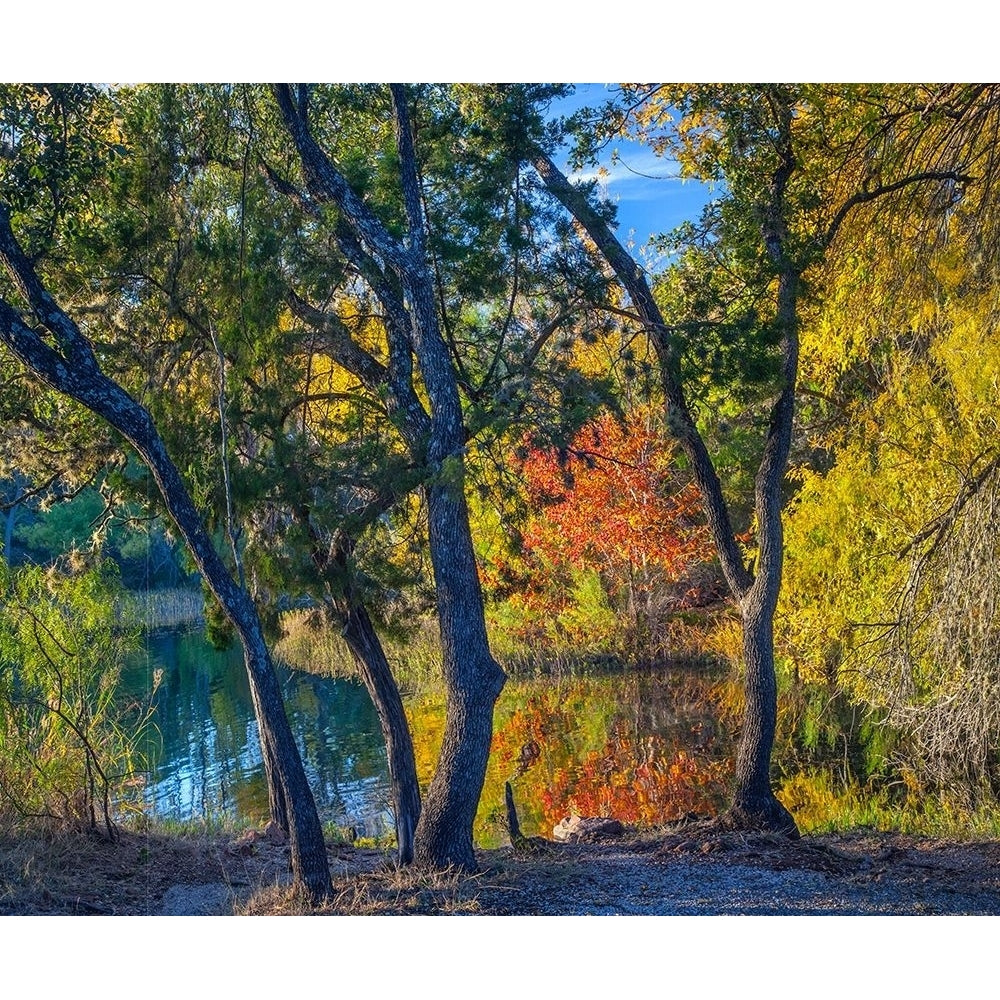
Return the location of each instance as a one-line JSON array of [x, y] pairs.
[[473, 677], [474, 681], [369, 655], [754, 805]]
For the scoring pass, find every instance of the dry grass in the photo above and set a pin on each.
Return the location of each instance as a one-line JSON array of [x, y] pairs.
[[64, 872], [308, 645], [49, 871], [84, 874], [166, 608], [386, 891]]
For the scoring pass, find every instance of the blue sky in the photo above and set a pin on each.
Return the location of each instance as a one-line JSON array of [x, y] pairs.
[[649, 195]]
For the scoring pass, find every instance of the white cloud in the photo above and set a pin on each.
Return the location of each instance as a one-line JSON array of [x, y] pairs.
[[636, 174]]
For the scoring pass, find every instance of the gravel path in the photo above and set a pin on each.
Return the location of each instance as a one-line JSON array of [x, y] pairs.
[[684, 872], [694, 872], [616, 880]]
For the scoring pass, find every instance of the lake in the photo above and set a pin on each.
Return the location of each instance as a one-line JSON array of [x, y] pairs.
[[636, 745], [205, 754]]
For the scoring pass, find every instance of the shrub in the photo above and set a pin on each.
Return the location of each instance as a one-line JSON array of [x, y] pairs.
[[68, 743]]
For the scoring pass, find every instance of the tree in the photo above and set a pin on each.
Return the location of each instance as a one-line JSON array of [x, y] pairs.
[[426, 257], [297, 498], [398, 273], [613, 506], [776, 220], [193, 249], [892, 543], [65, 360]]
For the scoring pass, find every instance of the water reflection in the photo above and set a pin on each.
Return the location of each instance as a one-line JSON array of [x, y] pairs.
[[205, 758], [641, 747]]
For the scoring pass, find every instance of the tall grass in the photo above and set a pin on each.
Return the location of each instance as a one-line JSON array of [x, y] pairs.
[[309, 643], [165, 608]]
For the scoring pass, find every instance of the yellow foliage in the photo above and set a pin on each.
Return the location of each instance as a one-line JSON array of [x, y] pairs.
[[924, 421]]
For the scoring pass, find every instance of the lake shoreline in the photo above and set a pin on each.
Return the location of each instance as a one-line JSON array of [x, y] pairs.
[[681, 872]]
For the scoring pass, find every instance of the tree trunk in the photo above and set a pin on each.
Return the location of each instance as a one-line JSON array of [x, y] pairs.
[[366, 648], [363, 641], [754, 805], [474, 681], [473, 678], [73, 370], [277, 805], [290, 797]]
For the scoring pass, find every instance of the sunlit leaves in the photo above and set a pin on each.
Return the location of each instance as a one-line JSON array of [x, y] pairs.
[[613, 525]]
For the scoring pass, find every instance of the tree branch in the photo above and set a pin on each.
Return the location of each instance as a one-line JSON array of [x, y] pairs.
[[337, 340], [679, 418], [863, 197], [326, 183]]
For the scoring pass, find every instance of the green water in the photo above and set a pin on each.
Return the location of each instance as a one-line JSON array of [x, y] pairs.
[[204, 752]]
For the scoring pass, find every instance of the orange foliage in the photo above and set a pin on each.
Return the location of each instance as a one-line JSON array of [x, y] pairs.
[[580, 746], [614, 504], [615, 501]]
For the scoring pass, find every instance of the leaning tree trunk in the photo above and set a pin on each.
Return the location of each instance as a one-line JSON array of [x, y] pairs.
[[364, 643], [277, 804], [73, 370], [366, 648], [754, 803], [289, 791]]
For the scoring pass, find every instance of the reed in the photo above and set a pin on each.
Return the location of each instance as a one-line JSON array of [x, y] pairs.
[[165, 608], [310, 644]]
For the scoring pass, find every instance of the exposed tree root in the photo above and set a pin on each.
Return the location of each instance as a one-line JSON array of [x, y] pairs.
[[768, 817]]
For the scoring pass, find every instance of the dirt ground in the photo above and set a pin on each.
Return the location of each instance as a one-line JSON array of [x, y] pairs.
[[688, 871]]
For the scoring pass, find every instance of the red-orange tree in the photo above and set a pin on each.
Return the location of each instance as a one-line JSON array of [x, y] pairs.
[[614, 524]]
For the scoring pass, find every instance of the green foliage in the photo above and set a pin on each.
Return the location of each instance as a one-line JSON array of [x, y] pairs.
[[219, 630], [65, 526], [69, 748], [162, 215], [55, 140], [97, 522]]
